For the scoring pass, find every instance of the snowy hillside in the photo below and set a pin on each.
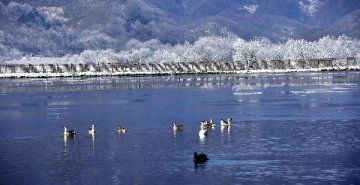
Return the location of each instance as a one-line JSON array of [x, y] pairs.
[[58, 28]]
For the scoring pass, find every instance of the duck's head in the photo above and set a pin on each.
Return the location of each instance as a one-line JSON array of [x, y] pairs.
[[121, 129]]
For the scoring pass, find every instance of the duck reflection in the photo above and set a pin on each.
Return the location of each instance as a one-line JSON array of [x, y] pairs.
[[92, 136], [225, 130], [67, 139], [201, 166], [202, 139]]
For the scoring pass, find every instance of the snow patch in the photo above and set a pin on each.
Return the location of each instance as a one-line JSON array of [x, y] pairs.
[[310, 7], [54, 13], [250, 8]]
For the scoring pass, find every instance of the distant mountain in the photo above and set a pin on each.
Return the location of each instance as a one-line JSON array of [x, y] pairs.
[[348, 25], [56, 28], [283, 8], [333, 10]]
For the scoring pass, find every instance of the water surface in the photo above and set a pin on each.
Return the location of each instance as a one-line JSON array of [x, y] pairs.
[[288, 128]]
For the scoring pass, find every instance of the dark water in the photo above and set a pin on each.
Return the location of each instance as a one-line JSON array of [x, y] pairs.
[[296, 128]]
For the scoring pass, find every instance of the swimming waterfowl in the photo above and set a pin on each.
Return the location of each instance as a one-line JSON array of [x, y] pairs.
[[211, 123], [92, 129], [68, 132], [203, 125], [177, 126], [121, 129], [225, 123], [201, 158], [207, 124]]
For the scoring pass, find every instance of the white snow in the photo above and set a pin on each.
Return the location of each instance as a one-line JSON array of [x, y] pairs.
[[20, 74], [310, 7], [209, 54], [54, 13], [251, 8], [211, 49]]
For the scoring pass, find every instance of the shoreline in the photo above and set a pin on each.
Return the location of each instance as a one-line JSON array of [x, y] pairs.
[[170, 69], [142, 74]]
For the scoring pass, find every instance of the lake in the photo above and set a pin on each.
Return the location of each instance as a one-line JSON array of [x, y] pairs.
[[288, 128]]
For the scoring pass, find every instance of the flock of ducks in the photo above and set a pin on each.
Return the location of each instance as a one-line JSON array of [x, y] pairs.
[[204, 127], [91, 130]]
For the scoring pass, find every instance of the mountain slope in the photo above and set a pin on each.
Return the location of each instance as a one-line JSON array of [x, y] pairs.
[[56, 28]]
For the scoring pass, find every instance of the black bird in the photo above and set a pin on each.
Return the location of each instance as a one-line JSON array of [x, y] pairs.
[[201, 158]]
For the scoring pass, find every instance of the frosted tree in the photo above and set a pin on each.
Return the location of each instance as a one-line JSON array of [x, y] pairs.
[[186, 53], [161, 56], [214, 49]]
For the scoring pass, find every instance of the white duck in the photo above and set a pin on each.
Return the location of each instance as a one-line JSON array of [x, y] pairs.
[[121, 130], [68, 132], [227, 123]]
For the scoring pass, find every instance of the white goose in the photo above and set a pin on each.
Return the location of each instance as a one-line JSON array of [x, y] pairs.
[[92, 129], [68, 132], [227, 123]]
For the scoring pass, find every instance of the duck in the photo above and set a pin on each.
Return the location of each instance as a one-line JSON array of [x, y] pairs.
[[227, 123], [203, 125], [68, 132], [201, 158], [121, 129], [92, 129], [177, 126], [207, 124], [211, 123]]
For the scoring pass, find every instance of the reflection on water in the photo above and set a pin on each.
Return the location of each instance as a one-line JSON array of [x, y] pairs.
[[92, 136], [65, 140], [242, 81], [68, 139], [225, 130], [202, 139], [288, 128]]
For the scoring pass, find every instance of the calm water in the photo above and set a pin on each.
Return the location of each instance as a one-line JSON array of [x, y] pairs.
[[296, 128]]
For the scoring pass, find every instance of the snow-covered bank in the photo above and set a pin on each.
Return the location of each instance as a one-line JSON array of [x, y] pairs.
[[173, 68]]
